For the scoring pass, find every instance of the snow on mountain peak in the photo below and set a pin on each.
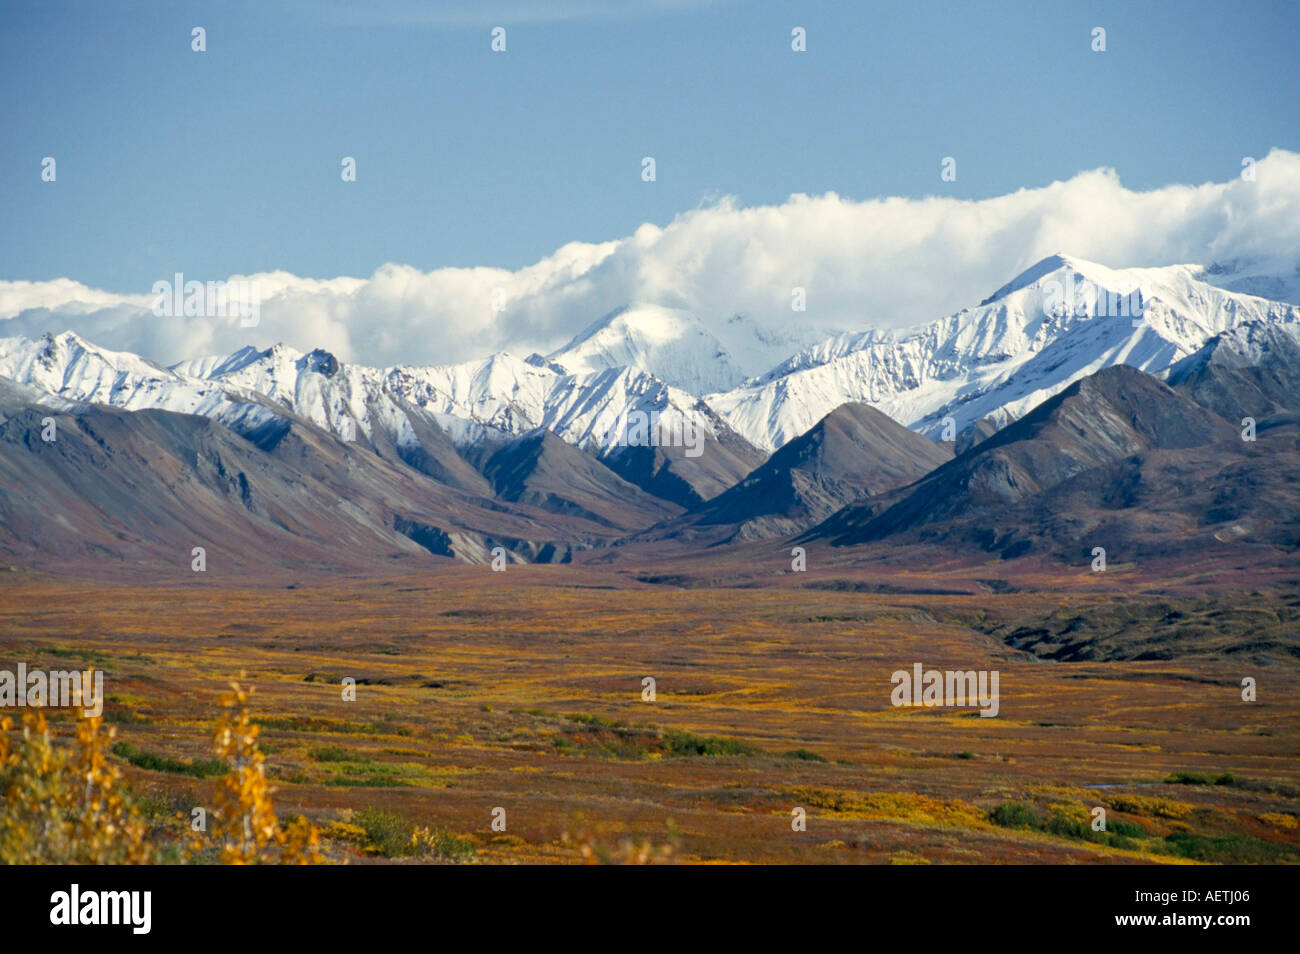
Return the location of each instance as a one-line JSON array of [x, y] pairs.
[[670, 343], [497, 396], [1032, 274], [1058, 321], [1052, 324], [1276, 278], [67, 362], [74, 369]]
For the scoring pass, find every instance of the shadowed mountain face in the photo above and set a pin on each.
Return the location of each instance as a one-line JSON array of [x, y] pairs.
[[669, 472], [853, 451], [433, 454], [1252, 371], [544, 471], [978, 431], [1117, 460], [1102, 445], [143, 488]]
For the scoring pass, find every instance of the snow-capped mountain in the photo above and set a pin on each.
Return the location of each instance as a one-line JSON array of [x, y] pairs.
[[68, 368], [1056, 322], [497, 397], [1276, 278], [669, 343], [1060, 320], [684, 351]]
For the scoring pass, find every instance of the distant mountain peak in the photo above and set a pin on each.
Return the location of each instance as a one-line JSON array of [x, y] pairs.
[[1058, 321], [1036, 272], [853, 451], [670, 343], [985, 496], [1116, 280], [321, 361]]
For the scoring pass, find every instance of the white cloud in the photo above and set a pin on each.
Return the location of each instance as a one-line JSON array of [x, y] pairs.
[[878, 263]]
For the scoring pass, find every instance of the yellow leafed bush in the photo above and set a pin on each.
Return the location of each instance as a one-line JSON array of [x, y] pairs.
[[65, 806], [1279, 820], [1070, 812], [895, 806], [1150, 807], [246, 829], [69, 805]]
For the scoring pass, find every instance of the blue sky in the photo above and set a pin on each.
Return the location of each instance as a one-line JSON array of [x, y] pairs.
[[228, 161]]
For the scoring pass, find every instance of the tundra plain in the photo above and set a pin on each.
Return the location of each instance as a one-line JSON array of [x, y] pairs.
[[523, 690]]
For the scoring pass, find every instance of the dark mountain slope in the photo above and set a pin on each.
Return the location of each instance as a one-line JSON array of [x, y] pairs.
[[1107, 430], [975, 433], [544, 471], [853, 451], [1252, 371], [432, 453], [669, 472], [142, 488]]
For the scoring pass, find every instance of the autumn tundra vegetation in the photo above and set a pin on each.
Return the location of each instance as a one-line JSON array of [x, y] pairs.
[[501, 718], [69, 804]]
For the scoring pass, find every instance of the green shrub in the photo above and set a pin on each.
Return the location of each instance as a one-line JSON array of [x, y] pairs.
[[1126, 829], [583, 719], [1014, 815], [443, 844], [392, 836], [125, 717], [1118, 834], [153, 807], [365, 781], [687, 743], [387, 834], [332, 753], [1068, 828], [1202, 778], [804, 755], [1231, 849], [198, 768]]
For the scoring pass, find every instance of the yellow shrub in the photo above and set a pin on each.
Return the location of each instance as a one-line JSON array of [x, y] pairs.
[[894, 806], [1279, 820], [68, 805], [594, 849], [245, 826], [65, 806], [1074, 813], [1150, 807], [343, 831]]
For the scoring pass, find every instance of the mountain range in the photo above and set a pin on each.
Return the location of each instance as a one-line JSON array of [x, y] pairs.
[[1024, 424]]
